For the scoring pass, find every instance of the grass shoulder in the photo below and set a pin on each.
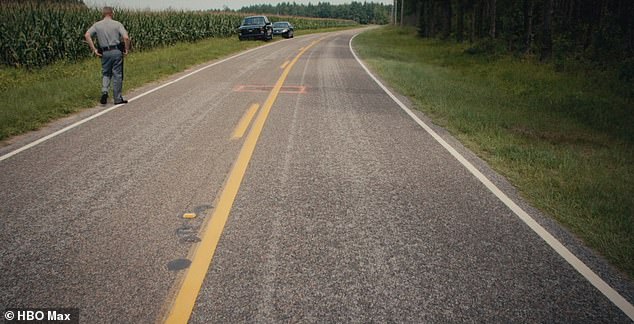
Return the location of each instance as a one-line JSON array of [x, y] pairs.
[[564, 139]]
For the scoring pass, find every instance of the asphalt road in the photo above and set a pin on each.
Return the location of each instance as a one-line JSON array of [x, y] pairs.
[[348, 211]]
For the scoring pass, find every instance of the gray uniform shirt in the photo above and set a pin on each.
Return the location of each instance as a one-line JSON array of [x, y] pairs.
[[109, 32]]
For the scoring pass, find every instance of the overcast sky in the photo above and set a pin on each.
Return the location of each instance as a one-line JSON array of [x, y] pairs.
[[202, 4]]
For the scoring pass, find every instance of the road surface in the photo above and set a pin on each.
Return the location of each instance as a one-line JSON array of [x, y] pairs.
[[317, 199]]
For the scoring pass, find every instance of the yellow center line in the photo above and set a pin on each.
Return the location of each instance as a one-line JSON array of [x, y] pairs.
[[242, 126], [185, 300], [284, 65]]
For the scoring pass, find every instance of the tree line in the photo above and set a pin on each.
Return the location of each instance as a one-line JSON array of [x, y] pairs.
[[363, 13], [599, 30]]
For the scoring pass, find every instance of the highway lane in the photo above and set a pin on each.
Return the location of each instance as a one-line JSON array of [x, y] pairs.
[[348, 210], [91, 218], [351, 212]]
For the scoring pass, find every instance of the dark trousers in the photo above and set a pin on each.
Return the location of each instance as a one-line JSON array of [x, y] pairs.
[[112, 71]]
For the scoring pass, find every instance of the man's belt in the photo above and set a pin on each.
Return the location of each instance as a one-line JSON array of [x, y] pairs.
[[109, 48]]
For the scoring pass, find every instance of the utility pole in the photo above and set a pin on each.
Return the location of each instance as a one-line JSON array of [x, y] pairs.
[[402, 11], [394, 3]]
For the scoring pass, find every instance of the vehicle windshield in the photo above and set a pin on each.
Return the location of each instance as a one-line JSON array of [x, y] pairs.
[[280, 25], [253, 21]]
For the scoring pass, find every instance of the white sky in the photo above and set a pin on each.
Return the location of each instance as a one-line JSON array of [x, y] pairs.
[[203, 4]]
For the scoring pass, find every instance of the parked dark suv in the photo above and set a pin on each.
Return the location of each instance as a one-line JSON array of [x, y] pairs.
[[255, 27]]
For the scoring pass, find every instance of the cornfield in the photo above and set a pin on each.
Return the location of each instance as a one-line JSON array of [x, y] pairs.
[[37, 34]]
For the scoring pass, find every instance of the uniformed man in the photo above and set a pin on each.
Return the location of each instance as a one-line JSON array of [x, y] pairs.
[[110, 34]]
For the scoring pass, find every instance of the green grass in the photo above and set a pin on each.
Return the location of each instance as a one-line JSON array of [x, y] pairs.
[[564, 139], [31, 98]]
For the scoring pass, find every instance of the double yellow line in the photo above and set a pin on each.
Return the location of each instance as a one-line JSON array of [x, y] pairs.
[[183, 304]]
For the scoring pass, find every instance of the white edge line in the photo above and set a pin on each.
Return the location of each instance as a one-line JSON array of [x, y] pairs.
[[69, 127], [581, 267]]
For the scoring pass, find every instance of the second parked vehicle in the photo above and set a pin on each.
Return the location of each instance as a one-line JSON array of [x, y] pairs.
[[283, 28], [255, 27]]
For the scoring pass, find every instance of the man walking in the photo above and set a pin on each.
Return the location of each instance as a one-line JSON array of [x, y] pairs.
[[109, 34]]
